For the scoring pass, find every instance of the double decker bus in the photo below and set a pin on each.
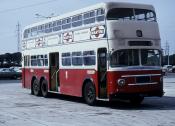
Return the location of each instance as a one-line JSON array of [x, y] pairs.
[[104, 52]]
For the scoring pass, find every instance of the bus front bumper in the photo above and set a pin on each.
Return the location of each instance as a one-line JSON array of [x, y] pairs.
[[126, 96]]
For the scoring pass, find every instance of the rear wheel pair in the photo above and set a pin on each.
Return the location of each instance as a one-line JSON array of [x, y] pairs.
[[40, 89]]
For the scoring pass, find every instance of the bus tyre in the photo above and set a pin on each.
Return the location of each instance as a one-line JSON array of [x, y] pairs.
[[44, 88], [136, 100], [36, 88], [89, 93]]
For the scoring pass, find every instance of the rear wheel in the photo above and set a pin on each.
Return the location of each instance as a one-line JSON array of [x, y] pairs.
[[36, 88], [89, 93], [44, 88], [136, 100]]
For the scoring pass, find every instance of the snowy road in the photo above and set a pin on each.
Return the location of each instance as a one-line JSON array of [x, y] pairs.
[[19, 108]]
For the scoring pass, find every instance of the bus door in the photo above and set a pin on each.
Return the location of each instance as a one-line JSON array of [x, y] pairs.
[[54, 71], [102, 73], [25, 72]]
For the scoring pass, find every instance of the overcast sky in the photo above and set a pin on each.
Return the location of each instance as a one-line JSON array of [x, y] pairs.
[[23, 11]]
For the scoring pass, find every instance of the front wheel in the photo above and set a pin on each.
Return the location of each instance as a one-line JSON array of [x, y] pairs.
[[89, 93], [44, 88]]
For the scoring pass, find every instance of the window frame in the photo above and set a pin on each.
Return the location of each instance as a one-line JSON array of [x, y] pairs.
[[77, 59], [66, 59]]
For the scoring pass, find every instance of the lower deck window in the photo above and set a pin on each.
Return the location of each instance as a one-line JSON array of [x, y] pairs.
[[89, 58], [86, 58], [66, 59], [39, 60], [77, 59]]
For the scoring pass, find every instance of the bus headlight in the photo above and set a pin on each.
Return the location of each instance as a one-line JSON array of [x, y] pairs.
[[121, 82]]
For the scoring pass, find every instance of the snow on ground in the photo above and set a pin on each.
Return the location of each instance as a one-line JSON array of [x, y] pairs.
[[19, 108]]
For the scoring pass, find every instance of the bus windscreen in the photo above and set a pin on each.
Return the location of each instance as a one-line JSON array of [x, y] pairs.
[[131, 14]]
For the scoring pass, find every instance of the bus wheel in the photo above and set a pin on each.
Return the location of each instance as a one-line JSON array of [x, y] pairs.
[[36, 88], [89, 93], [136, 100], [44, 88]]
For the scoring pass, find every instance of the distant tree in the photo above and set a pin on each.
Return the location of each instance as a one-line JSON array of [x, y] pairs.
[[8, 60], [171, 60]]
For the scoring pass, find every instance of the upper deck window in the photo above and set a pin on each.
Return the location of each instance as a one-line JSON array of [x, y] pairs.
[[81, 19], [57, 25], [48, 27], [89, 17], [66, 23], [77, 21], [100, 14], [131, 14], [120, 14], [40, 29], [145, 15], [26, 33], [34, 31]]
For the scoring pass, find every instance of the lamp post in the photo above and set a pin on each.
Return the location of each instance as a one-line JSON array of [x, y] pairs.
[[167, 50]]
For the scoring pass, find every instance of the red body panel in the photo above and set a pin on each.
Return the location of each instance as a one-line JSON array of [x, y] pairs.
[[71, 80], [72, 83], [23, 78], [29, 73], [113, 87]]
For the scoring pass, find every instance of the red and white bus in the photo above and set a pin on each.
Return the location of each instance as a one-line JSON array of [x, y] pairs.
[[102, 52]]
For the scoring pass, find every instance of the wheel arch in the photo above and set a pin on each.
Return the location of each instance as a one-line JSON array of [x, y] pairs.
[[84, 83]]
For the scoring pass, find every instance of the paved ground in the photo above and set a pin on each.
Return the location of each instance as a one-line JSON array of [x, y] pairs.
[[19, 108]]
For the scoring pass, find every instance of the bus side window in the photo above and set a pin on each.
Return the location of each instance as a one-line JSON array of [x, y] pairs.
[[33, 61], [89, 17], [40, 60], [66, 59], [77, 59], [57, 25], [100, 15], [48, 27], [77, 21], [66, 23], [45, 60], [89, 58]]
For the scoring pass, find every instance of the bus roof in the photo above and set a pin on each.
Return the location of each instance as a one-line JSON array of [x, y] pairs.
[[106, 5]]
